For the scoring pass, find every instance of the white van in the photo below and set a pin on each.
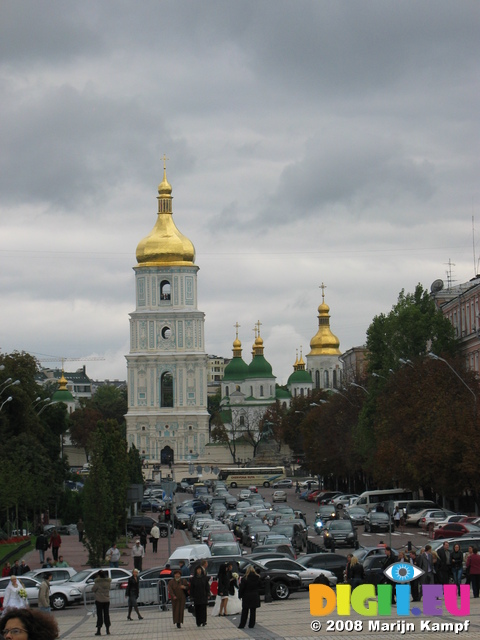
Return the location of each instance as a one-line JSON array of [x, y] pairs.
[[189, 553]]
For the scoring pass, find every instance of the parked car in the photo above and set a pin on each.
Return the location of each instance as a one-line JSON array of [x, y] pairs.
[[309, 484], [83, 580], [296, 533], [433, 516], [283, 484], [250, 531], [307, 574], [364, 552], [455, 529], [373, 569], [326, 512], [344, 499], [137, 523], [378, 521], [153, 506], [337, 532], [220, 536], [279, 496], [59, 575], [226, 549], [61, 595], [283, 547], [326, 497], [333, 562]]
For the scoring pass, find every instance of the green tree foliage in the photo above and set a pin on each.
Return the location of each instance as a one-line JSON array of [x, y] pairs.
[[413, 327], [135, 472], [105, 489], [111, 403], [426, 427], [84, 421], [31, 469]]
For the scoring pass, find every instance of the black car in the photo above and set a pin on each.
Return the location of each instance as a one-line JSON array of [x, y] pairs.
[[338, 532], [378, 521], [333, 562], [373, 569], [137, 523], [282, 583], [356, 514]]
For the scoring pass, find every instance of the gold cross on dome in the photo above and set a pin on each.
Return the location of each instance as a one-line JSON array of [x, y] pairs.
[[259, 324], [237, 327], [323, 287], [164, 158]]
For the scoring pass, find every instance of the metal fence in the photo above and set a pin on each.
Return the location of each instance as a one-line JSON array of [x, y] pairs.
[[152, 594]]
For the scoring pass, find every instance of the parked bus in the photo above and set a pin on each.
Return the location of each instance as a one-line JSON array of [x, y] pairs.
[[247, 476], [370, 499]]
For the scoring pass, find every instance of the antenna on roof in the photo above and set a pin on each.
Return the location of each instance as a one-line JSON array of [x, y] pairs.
[[450, 280], [475, 270]]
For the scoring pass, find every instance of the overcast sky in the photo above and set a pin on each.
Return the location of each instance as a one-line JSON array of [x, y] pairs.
[[308, 141]]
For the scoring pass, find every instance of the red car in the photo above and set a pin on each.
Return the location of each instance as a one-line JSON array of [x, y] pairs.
[[455, 530], [311, 497]]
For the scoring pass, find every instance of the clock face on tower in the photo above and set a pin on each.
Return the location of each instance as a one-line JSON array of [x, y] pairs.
[[166, 333]]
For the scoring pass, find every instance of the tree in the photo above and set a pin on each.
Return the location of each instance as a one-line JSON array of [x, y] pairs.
[[84, 421], [135, 472], [105, 489], [111, 402]]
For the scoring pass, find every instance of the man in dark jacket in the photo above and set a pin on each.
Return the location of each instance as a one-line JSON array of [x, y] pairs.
[[445, 567], [389, 560], [132, 592], [41, 545]]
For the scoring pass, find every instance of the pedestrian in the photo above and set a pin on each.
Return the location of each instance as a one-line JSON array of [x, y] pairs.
[[138, 553], [397, 517], [165, 575], [24, 567], [347, 573], [15, 596], [456, 560], [61, 564], [48, 563], [41, 545], [132, 593], [249, 593], [473, 567], [414, 584], [429, 576], [356, 572], [80, 529], [297, 487], [114, 554], [185, 571], [101, 590], [177, 590], [143, 538], [55, 543], [389, 560], [44, 592], [15, 570], [200, 593], [154, 536], [224, 578], [32, 624], [445, 569], [7, 567]]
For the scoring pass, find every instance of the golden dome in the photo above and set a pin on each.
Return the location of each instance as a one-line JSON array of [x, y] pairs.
[[165, 245], [324, 342]]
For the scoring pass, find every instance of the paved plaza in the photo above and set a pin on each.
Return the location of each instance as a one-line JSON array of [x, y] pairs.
[[290, 619]]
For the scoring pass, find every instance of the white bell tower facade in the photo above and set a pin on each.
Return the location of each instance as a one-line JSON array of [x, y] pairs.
[[167, 417]]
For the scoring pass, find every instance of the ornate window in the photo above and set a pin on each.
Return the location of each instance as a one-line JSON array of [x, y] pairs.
[[166, 390], [165, 290]]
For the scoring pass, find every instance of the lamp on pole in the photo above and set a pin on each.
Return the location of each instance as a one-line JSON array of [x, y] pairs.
[[45, 406], [359, 386], [435, 357], [8, 383], [9, 399]]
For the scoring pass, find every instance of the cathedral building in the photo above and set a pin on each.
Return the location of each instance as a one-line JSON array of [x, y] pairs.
[[167, 417], [323, 361]]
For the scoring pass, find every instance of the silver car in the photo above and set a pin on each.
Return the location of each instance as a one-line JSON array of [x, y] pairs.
[[60, 594]]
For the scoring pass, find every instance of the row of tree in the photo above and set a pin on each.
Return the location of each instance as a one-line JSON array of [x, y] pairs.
[[33, 467]]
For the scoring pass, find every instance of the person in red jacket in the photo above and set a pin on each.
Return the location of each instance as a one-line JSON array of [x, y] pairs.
[[55, 543], [473, 567]]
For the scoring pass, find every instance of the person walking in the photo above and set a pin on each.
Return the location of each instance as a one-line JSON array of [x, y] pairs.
[[473, 567], [55, 543], [143, 538], [456, 560], [132, 593], [80, 529], [101, 590], [249, 593], [114, 554], [44, 593], [356, 572], [445, 568], [41, 545], [154, 536], [177, 590], [138, 553], [199, 593]]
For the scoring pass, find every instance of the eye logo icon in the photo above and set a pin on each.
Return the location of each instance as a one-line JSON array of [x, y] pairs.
[[403, 572]]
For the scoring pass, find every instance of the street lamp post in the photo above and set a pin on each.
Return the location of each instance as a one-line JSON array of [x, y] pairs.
[[359, 386], [45, 406], [8, 383], [9, 399], [435, 357]]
